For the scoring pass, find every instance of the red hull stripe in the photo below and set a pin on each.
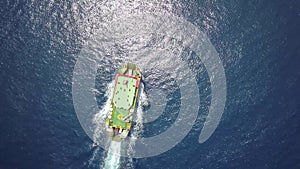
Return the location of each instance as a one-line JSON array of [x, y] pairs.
[[133, 77]]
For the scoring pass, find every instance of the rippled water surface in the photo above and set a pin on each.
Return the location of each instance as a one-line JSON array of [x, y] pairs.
[[256, 42]]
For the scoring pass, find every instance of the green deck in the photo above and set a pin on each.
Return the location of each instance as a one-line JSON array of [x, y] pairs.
[[124, 92], [116, 122], [123, 100]]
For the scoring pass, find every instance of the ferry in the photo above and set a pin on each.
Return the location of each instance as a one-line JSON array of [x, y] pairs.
[[124, 102]]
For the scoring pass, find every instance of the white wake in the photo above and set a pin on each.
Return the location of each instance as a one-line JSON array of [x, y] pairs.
[[112, 160]]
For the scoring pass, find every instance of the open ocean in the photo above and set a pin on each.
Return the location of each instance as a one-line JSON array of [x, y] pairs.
[[258, 44]]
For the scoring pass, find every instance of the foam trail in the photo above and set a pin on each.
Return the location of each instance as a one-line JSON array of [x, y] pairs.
[[101, 115], [112, 160]]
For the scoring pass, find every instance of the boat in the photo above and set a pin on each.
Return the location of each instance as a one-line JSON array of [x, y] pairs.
[[124, 102]]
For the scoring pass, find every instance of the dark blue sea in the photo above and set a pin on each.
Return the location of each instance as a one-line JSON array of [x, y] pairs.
[[258, 45]]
